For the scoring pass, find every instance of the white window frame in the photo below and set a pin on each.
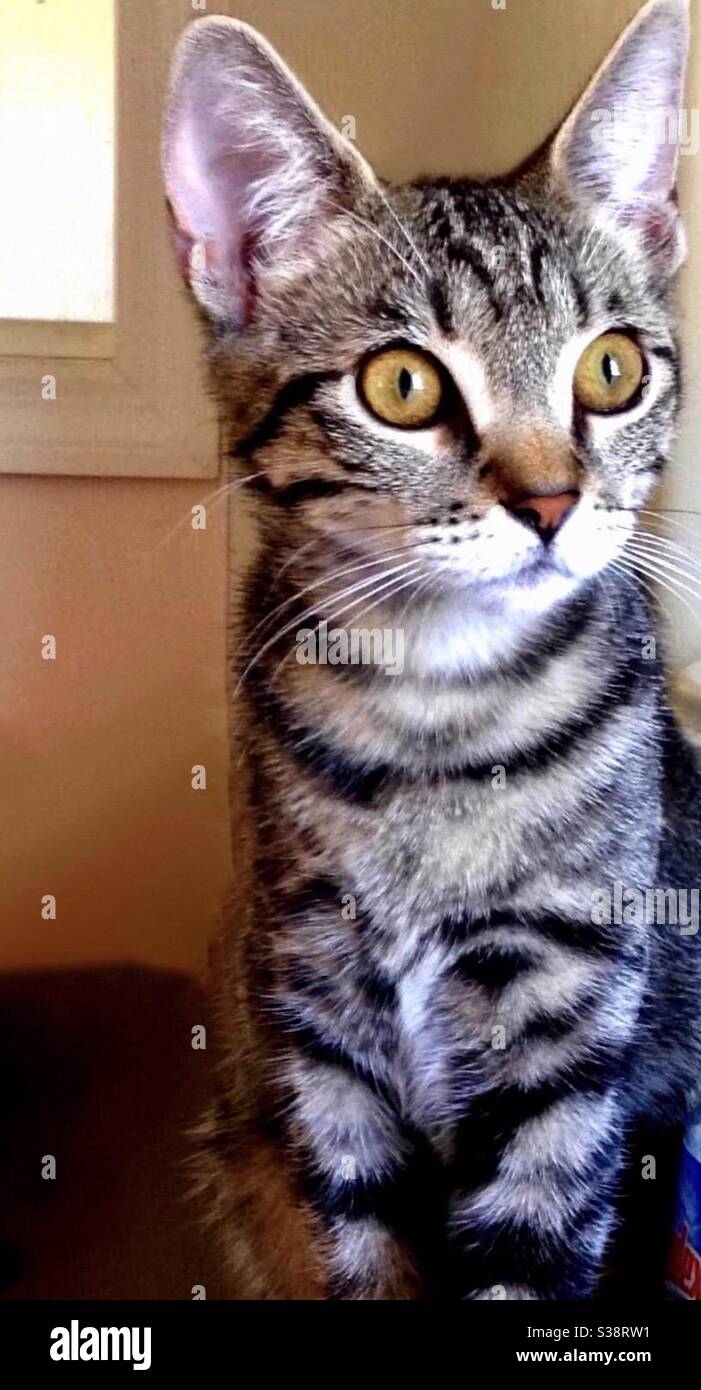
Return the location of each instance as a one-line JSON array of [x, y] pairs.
[[130, 397]]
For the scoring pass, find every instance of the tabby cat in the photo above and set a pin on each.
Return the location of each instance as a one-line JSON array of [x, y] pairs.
[[449, 400]]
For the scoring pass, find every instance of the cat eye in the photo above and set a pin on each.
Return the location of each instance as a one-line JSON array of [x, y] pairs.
[[609, 374], [403, 387]]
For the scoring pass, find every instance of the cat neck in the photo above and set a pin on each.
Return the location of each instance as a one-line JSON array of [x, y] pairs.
[[461, 635]]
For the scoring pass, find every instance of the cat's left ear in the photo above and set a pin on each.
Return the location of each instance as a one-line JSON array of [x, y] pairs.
[[617, 153], [255, 173]]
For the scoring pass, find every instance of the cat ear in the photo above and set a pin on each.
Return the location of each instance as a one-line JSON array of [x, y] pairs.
[[617, 152], [254, 172]]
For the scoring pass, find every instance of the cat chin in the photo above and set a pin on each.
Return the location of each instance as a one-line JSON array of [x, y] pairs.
[[482, 625], [547, 590]]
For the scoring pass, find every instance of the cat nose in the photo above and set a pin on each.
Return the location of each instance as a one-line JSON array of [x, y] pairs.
[[545, 513]]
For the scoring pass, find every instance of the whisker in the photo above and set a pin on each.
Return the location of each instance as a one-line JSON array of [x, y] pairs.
[[325, 579], [403, 230], [666, 547], [333, 617], [387, 526], [397, 589], [654, 559], [369, 227], [299, 618], [421, 587], [666, 552], [662, 516], [210, 497], [672, 587], [636, 578]]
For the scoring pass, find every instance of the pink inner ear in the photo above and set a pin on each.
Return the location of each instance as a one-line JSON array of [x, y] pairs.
[[663, 234], [197, 178], [618, 149], [254, 173], [228, 178]]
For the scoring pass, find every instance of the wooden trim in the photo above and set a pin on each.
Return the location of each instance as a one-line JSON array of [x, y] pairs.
[[142, 411], [53, 338]]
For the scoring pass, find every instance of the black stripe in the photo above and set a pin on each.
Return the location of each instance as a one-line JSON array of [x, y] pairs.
[[581, 427], [306, 984], [308, 489], [381, 308], [410, 1199], [373, 992], [314, 892], [380, 991], [438, 300], [581, 300], [584, 936], [557, 745], [410, 1202], [356, 1199], [656, 465], [614, 305], [493, 1118], [492, 966], [361, 782], [538, 254], [327, 1051], [297, 392], [668, 354], [509, 1252], [349, 779], [547, 1027], [469, 255], [302, 490], [556, 637]]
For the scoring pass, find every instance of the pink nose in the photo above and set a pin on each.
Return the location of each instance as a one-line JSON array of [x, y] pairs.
[[545, 514]]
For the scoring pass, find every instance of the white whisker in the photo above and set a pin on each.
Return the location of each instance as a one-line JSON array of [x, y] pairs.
[[299, 618], [369, 227], [404, 231], [319, 582]]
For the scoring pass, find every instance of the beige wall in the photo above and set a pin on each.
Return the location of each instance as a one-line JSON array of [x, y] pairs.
[[97, 806], [97, 746]]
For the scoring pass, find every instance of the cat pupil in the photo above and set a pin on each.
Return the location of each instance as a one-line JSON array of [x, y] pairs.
[[611, 369], [406, 382]]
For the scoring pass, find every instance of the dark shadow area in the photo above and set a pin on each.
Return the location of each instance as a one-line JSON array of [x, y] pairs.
[[97, 1069]]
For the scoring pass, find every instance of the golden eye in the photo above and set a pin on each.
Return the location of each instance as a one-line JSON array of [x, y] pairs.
[[609, 374], [403, 387]]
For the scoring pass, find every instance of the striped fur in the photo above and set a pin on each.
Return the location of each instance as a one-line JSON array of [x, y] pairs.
[[433, 1059]]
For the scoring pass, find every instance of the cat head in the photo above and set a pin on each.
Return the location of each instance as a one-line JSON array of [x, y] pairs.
[[477, 379]]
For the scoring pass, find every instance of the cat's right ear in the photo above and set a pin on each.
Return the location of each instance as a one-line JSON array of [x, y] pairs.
[[616, 155], [255, 173]]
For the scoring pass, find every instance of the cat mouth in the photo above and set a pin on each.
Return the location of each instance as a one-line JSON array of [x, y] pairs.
[[533, 572]]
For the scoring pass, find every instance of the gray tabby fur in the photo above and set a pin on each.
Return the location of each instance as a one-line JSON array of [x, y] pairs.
[[376, 1135]]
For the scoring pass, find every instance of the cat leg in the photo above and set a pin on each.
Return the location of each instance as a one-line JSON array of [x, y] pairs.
[[548, 1013], [362, 1175], [532, 1205]]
